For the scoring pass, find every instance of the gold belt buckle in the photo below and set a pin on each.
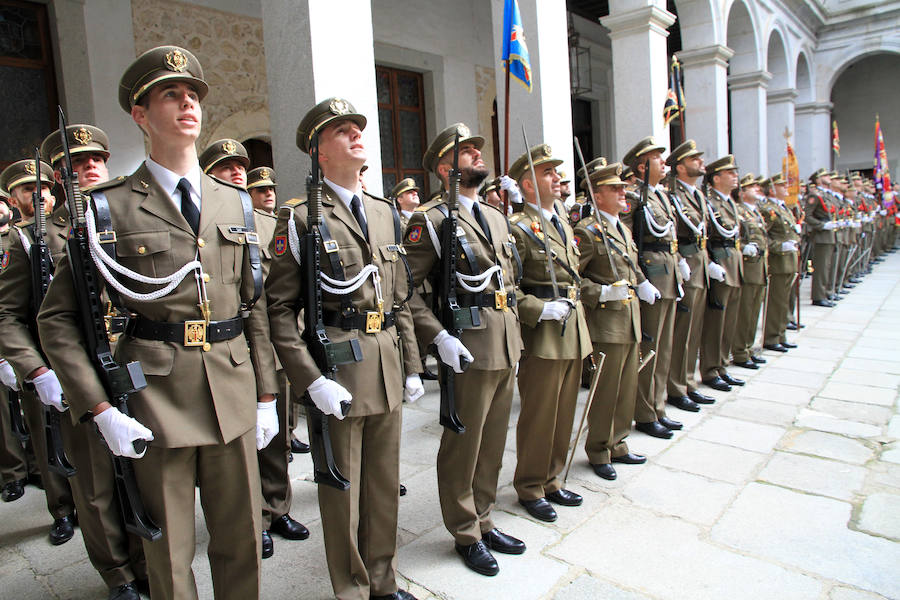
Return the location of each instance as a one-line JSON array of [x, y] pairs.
[[673, 246], [373, 321], [572, 293], [737, 244], [500, 300], [194, 333], [703, 243]]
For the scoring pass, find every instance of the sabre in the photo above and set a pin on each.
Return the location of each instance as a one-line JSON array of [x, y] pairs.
[[612, 263], [587, 408]]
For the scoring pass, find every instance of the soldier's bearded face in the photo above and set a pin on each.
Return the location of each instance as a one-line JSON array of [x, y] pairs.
[[472, 168], [22, 196], [694, 167], [172, 112], [341, 143], [91, 168]]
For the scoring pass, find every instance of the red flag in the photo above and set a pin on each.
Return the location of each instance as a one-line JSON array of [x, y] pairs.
[[835, 139], [881, 174]]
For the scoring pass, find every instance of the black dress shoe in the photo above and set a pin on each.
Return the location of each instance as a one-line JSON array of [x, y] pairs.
[[775, 347], [732, 380], [684, 403], [825, 303], [143, 586], [127, 591], [606, 471], [747, 364], [788, 345], [478, 558], [398, 595], [402, 490], [701, 398], [427, 375], [791, 326], [298, 447], [565, 498], [670, 424], [717, 383], [540, 509], [833, 297], [654, 429], [288, 528], [630, 459], [268, 546], [62, 530], [498, 541], [758, 359], [13, 490]]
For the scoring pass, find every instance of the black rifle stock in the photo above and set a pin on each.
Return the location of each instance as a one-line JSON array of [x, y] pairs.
[[453, 317], [118, 381], [325, 471]]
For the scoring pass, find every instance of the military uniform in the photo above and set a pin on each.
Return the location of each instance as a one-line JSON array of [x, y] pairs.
[[755, 276], [780, 230], [360, 524], [550, 369], [221, 150], [200, 399], [820, 211], [615, 326]]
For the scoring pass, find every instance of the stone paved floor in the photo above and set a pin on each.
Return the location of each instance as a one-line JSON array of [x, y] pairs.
[[788, 488]]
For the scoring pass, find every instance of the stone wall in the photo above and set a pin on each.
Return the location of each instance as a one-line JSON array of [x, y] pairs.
[[230, 48]]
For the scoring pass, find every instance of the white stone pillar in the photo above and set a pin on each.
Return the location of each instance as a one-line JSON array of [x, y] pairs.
[[780, 116], [307, 63], [555, 88], [748, 120], [813, 138], [640, 71], [706, 97]]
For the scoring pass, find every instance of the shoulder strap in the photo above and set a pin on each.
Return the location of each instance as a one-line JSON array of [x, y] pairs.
[[252, 247], [562, 264], [596, 231], [398, 240], [106, 235]]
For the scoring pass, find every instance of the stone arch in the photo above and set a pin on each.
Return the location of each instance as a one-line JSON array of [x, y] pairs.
[[803, 82], [241, 125], [696, 18], [747, 82], [848, 60], [777, 62], [780, 97], [741, 36]]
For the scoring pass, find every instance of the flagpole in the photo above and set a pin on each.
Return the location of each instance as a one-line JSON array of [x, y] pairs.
[[506, 141], [678, 91]]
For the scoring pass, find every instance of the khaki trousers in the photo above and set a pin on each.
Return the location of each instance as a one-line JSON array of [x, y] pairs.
[[548, 390], [117, 555], [273, 464], [360, 524], [13, 466], [777, 313], [468, 464], [823, 261], [718, 330], [56, 487], [612, 410], [228, 476], [748, 318], [686, 343], [658, 321]]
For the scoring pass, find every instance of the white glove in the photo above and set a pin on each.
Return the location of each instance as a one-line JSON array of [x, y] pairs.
[[751, 249], [611, 293], [413, 389], [7, 375], [327, 395], [789, 246], [685, 269], [882, 212], [508, 183], [829, 225], [120, 432], [266, 423], [648, 292], [49, 390], [555, 310], [798, 228], [715, 271], [680, 292], [450, 349], [856, 225]]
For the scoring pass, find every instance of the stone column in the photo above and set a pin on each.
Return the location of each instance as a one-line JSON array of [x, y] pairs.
[[813, 138], [780, 116], [640, 71], [706, 97], [748, 119], [306, 63]]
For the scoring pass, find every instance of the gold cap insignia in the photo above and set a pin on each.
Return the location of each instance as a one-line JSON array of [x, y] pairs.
[[82, 136], [618, 170], [651, 141], [547, 151], [264, 174], [692, 145], [29, 168], [176, 61], [463, 131], [601, 162], [229, 147], [339, 106]]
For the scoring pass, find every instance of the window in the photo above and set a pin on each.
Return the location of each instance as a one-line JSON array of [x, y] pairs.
[[401, 119]]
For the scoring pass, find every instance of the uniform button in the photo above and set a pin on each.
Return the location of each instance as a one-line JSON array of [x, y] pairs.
[[142, 250], [201, 242], [207, 346], [206, 277]]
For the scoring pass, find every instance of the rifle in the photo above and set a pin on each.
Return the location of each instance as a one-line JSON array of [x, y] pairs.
[[118, 381], [323, 351], [453, 318], [637, 233], [41, 269]]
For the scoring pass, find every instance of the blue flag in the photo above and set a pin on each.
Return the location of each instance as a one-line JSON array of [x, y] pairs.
[[515, 52]]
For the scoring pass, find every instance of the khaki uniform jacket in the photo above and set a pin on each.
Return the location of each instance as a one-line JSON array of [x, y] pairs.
[[660, 267], [376, 383], [691, 245], [193, 397], [496, 343], [723, 210], [779, 229], [265, 228], [753, 230], [619, 321], [542, 338], [819, 210]]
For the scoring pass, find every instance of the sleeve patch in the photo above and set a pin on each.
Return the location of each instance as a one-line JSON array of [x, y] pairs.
[[4, 260], [414, 234], [280, 245]]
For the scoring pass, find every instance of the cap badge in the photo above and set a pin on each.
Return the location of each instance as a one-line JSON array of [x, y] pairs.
[[339, 106], [618, 170], [176, 61], [82, 136], [264, 174], [29, 168], [229, 147], [546, 151], [463, 131]]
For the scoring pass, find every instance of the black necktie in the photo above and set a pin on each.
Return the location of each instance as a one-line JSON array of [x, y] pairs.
[[476, 212], [559, 227], [356, 209], [188, 208]]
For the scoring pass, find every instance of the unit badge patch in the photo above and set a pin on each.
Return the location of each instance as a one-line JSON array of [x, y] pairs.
[[280, 245], [4, 260], [414, 234]]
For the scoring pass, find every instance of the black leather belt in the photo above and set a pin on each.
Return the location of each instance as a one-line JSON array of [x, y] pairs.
[[572, 292], [722, 243], [484, 300], [367, 322], [667, 247], [187, 333]]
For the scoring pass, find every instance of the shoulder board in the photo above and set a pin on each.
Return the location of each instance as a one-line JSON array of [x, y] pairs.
[[429, 205], [263, 213], [295, 202], [497, 208], [239, 188], [516, 217], [105, 185], [374, 197]]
